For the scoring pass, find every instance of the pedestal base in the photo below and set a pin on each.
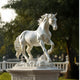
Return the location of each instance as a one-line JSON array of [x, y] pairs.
[[34, 74], [34, 71]]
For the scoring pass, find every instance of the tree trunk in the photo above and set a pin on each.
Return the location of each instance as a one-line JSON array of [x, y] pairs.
[[73, 70]]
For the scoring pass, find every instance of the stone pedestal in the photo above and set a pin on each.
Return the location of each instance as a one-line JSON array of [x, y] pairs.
[[42, 71], [34, 74]]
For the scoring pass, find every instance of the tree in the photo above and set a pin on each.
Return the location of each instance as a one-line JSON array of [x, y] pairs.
[[67, 35]]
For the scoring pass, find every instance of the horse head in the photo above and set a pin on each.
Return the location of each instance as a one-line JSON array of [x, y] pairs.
[[50, 18], [53, 21]]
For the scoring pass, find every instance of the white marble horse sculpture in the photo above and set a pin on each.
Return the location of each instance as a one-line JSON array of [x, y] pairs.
[[39, 37]]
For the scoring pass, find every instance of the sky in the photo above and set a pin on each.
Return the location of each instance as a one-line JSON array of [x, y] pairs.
[[7, 14]]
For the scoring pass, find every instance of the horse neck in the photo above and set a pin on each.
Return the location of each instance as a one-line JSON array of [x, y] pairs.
[[44, 26]]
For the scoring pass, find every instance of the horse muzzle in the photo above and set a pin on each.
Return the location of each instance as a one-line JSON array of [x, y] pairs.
[[55, 27]]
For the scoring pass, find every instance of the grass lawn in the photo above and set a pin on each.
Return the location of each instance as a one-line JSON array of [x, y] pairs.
[[7, 76], [62, 78]]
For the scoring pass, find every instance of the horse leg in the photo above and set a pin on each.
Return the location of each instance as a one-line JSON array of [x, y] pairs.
[[44, 50], [29, 52], [23, 53], [17, 55], [25, 56], [52, 46]]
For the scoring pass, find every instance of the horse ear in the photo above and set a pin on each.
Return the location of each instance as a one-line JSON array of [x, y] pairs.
[[55, 14]]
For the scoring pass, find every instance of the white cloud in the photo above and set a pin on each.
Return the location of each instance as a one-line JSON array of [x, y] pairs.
[[3, 2], [8, 15]]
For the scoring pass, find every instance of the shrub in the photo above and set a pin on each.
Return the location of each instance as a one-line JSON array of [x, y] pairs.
[[5, 76]]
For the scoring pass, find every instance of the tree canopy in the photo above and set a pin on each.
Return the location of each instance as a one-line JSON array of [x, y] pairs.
[[29, 11], [66, 38]]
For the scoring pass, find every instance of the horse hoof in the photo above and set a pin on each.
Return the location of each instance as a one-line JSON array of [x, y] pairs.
[[30, 58], [49, 51]]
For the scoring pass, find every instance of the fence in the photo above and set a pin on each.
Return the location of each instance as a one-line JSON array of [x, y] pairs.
[[4, 66], [61, 65]]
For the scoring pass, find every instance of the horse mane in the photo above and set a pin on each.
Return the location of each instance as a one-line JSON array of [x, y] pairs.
[[42, 18]]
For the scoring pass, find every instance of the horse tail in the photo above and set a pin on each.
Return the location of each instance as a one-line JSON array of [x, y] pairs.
[[22, 39], [17, 47], [18, 44]]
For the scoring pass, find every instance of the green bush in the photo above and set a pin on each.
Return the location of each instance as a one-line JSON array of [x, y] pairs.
[[62, 78], [5, 76]]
